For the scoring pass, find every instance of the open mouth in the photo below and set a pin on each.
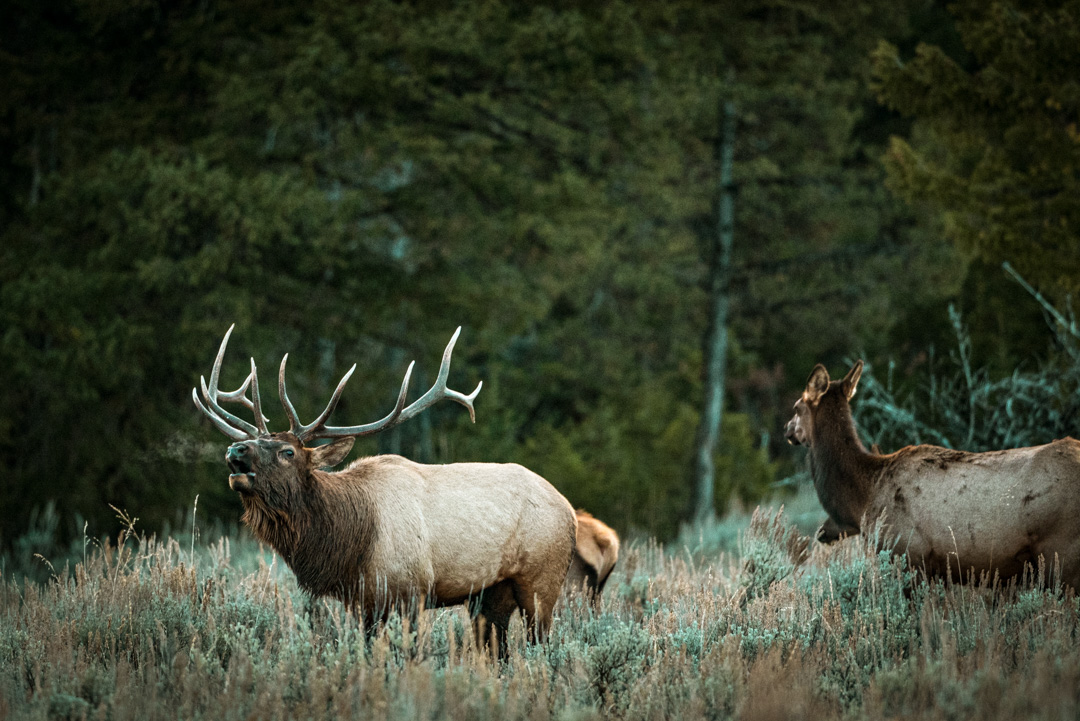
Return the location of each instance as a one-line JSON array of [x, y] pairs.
[[241, 482], [242, 475]]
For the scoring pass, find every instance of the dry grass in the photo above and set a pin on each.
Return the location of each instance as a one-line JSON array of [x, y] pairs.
[[141, 630]]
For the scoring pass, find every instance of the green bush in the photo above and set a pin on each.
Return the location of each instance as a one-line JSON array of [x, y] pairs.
[[961, 405]]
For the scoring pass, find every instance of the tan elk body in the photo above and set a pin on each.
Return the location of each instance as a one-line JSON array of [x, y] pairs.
[[386, 532], [595, 556], [952, 512]]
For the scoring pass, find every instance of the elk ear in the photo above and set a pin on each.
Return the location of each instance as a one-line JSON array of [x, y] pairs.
[[851, 380], [816, 384], [331, 454]]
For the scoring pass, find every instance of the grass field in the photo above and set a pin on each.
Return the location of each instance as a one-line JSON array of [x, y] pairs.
[[185, 629]]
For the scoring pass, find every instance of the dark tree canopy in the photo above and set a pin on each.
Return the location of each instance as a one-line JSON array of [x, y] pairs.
[[996, 147], [349, 183]]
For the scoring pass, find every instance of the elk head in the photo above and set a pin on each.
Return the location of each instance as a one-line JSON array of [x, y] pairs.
[[273, 467], [819, 389]]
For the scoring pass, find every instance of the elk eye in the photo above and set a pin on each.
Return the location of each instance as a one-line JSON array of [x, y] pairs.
[[289, 453]]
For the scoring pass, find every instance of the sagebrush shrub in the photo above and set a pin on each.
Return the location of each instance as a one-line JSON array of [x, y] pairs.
[[146, 629], [962, 406]]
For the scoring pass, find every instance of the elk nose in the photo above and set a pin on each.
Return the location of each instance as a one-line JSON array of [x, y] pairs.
[[789, 433], [239, 458]]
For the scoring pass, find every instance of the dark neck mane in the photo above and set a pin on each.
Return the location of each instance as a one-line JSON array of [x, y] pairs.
[[280, 525], [323, 533], [842, 469]]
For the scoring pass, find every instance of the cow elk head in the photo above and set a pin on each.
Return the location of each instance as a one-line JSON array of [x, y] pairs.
[[820, 393]]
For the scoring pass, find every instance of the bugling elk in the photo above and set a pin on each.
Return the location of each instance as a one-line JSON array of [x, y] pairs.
[[952, 512], [386, 532], [595, 557]]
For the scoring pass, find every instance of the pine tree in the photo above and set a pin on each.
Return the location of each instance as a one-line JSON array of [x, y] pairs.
[[995, 146], [352, 182]]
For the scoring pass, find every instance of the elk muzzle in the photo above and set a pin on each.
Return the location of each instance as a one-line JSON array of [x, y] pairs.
[[239, 460], [793, 433]]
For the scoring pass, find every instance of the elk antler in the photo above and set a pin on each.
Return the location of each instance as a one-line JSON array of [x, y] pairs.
[[400, 414], [239, 429]]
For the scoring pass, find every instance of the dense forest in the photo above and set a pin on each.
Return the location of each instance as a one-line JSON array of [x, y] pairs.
[[350, 182]]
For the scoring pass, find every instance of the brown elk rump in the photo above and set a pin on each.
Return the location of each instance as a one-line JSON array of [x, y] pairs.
[[952, 512], [595, 556], [386, 532]]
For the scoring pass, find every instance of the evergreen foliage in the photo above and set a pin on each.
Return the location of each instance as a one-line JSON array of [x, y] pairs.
[[351, 182], [961, 404], [996, 146]]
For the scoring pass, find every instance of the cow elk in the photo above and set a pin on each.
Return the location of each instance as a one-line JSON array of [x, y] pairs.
[[596, 554], [386, 532], [954, 513]]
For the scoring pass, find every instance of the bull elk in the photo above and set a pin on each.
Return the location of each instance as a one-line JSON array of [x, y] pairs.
[[385, 531], [596, 554], [952, 512]]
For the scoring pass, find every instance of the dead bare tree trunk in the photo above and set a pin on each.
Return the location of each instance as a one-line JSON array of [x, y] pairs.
[[716, 335], [35, 163]]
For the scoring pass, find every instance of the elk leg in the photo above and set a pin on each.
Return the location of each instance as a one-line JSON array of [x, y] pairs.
[[372, 621], [491, 616], [592, 584], [576, 575], [315, 608], [537, 604], [372, 613], [830, 532]]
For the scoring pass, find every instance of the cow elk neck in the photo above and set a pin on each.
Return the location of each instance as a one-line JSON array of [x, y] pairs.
[[843, 471]]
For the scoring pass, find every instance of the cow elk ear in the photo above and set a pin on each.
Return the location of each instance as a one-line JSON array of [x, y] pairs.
[[331, 454], [816, 384], [851, 380]]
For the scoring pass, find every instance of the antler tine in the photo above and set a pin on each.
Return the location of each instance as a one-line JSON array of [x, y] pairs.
[[256, 401], [228, 423], [305, 431], [240, 396], [466, 400], [215, 372], [290, 409], [391, 419], [211, 400], [234, 433], [437, 392]]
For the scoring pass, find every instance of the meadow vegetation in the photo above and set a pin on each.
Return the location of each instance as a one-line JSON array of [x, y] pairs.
[[179, 627], [744, 618], [347, 182]]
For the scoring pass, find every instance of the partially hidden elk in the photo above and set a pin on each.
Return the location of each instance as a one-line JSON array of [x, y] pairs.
[[595, 557], [386, 532], [954, 513]]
